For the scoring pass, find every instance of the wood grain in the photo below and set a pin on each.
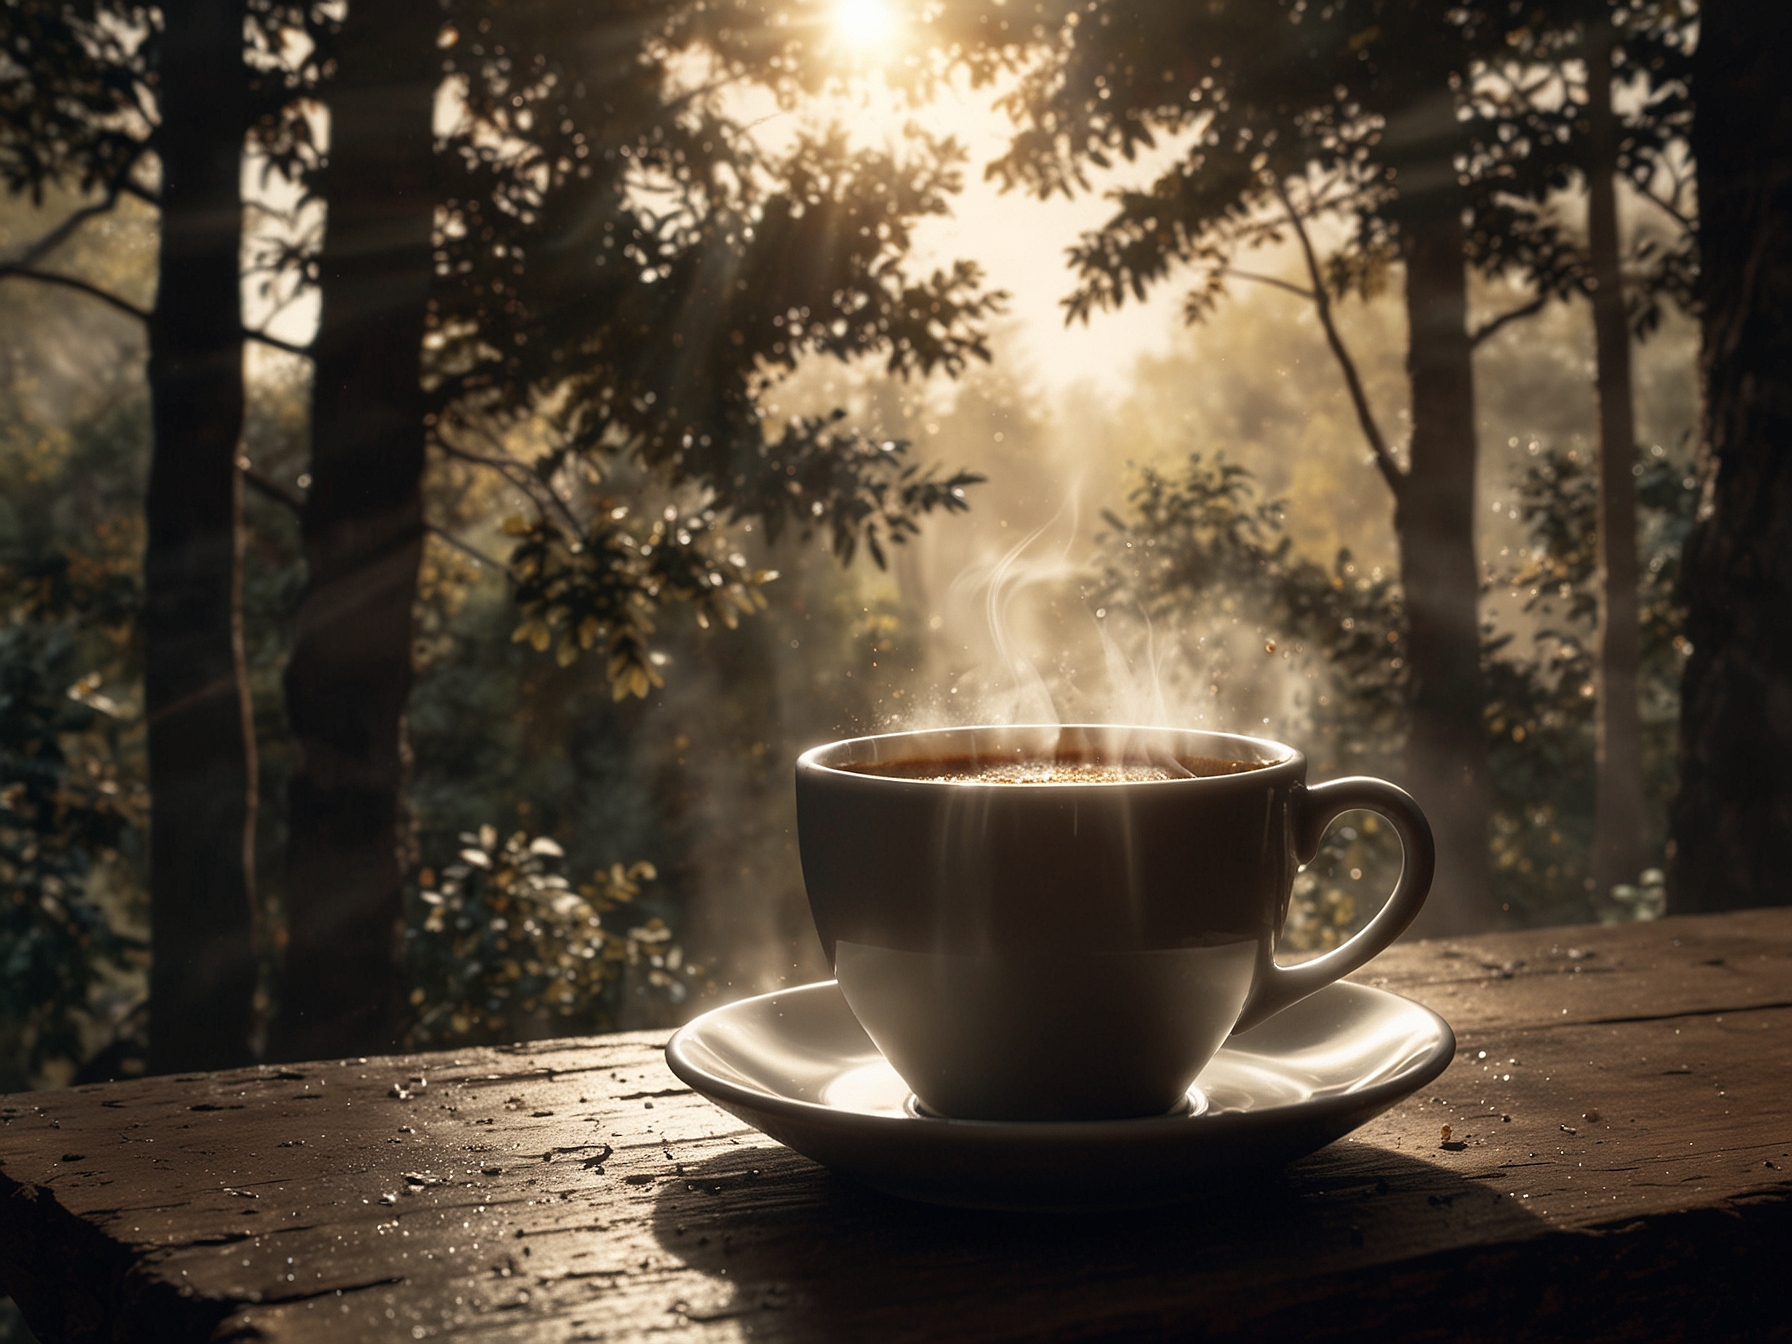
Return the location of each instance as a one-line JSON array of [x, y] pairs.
[[1620, 1167]]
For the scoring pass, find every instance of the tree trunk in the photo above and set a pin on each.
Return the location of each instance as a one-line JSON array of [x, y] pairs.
[[202, 772], [1446, 755], [349, 678], [1731, 826], [1620, 812]]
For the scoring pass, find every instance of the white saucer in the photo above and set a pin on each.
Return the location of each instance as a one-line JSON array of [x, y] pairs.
[[797, 1065]]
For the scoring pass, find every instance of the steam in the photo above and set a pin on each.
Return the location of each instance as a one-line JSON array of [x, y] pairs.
[[1014, 576], [1136, 695], [1031, 641]]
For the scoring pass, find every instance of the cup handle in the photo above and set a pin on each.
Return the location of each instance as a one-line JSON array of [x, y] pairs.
[[1315, 808]]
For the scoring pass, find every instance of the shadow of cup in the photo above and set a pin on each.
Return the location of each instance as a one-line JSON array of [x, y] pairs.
[[793, 1249]]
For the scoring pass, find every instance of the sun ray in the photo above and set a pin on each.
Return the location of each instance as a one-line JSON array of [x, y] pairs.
[[864, 26]]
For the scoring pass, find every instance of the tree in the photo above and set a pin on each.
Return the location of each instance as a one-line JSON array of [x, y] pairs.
[[202, 772], [88, 90], [433, 295], [1282, 115], [348, 678], [1543, 715], [1732, 820], [605, 248], [72, 797], [1618, 824], [1547, 128], [1202, 541]]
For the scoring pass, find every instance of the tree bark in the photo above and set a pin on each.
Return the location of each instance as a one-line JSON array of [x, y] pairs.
[[202, 767], [1446, 755], [349, 677], [1731, 825], [1620, 811]]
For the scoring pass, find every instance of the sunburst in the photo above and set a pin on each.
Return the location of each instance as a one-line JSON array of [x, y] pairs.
[[865, 26]]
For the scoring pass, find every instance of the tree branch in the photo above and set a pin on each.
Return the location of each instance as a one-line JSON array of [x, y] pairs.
[[464, 547], [1672, 212], [1273, 281], [144, 194], [1492, 325], [289, 218], [72, 282], [518, 475], [267, 485], [297, 292], [1365, 416], [61, 233], [57, 236], [498, 464], [275, 343]]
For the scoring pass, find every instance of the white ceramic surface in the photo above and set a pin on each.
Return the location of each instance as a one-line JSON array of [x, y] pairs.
[[797, 1065], [1073, 951]]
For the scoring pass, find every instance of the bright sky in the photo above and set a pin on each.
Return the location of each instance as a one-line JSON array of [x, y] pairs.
[[1020, 242]]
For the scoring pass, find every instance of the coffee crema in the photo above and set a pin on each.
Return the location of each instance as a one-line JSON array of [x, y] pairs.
[[1062, 770]]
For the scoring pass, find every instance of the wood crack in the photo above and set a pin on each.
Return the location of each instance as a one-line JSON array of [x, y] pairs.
[[1692, 1012], [311, 1294]]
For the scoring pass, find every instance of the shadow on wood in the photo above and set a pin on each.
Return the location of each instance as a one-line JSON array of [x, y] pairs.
[[1353, 1242]]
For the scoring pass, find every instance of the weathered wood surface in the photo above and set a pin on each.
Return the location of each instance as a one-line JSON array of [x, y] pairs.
[[1620, 1167]]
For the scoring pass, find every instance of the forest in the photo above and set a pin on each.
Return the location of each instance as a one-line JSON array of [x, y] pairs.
[[456, 454]]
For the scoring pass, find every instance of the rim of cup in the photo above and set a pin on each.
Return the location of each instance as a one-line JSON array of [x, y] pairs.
[[838, 758]]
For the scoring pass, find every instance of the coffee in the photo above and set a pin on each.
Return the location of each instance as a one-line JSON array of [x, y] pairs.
[[1059, 770]]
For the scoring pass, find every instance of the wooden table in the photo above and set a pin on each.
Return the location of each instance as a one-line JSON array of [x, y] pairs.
[[1620, 1167]]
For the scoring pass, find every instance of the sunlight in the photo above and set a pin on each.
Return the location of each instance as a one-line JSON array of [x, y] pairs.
[[865, 26]]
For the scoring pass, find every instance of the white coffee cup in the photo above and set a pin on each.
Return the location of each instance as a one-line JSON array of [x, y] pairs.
[[1076, 949]]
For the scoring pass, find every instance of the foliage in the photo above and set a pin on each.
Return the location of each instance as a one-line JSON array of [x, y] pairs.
[[1540, 708], [1204, 541], [1530, 137], [72, 802], [615, 247], [618, 259], [625, 265], [1271, 109], [1281, 110], [64, 819], [71, 89], [604, 586], [1269, 119], [695, 776], [1207, 542], [509, 949]]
